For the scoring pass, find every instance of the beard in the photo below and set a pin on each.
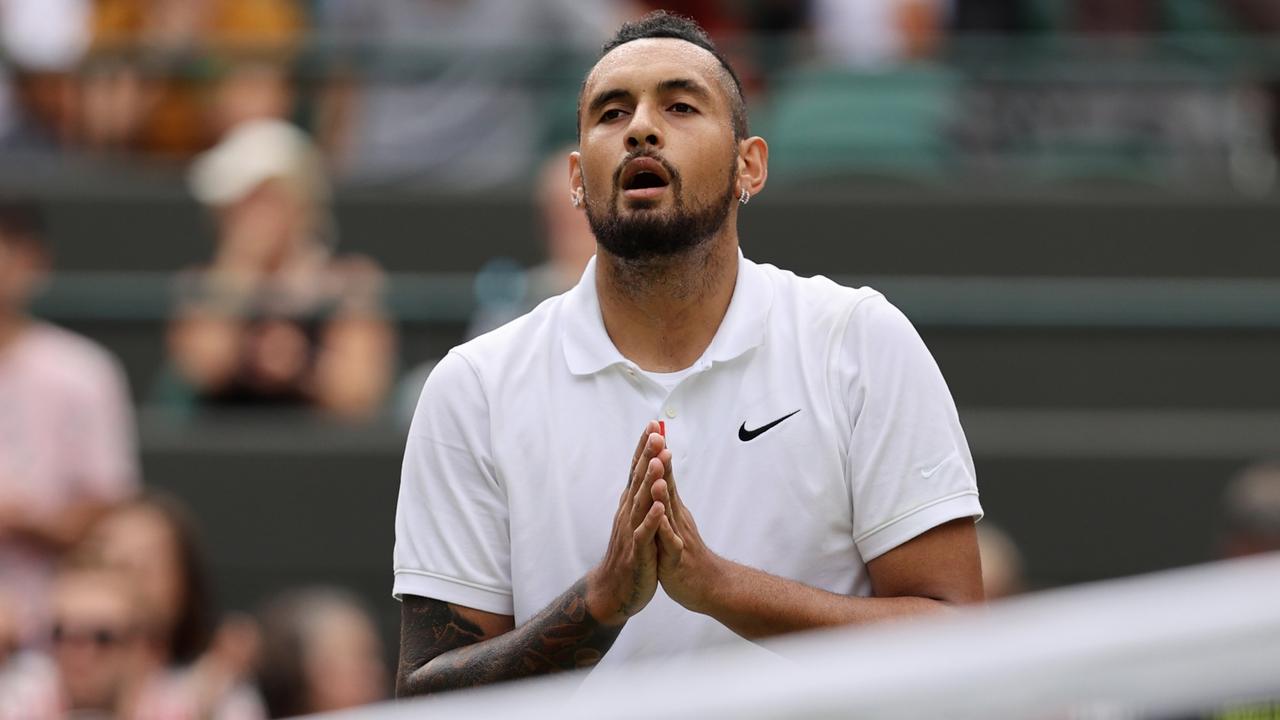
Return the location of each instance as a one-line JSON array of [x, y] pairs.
[[649, 234]]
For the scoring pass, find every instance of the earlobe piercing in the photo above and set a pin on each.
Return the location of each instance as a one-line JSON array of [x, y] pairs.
[[573, 198], [745, 197]]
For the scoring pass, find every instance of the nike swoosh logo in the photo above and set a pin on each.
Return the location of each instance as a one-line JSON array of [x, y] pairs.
[[746, 435], [929, 473]]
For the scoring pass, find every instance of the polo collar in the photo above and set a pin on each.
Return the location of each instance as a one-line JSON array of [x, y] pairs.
[[588, 349]]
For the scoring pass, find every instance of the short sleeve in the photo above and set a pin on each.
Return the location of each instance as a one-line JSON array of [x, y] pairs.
[[453, 541], [909, 467]]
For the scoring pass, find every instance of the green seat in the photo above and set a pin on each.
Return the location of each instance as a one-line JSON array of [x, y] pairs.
[[836, 122]]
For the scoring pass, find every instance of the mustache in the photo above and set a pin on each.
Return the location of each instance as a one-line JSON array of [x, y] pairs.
[[671, 171]]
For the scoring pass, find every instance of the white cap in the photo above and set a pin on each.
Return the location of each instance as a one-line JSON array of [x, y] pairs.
[[253, 153]]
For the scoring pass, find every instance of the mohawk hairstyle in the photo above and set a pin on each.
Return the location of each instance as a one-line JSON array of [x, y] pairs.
[[662, 24]]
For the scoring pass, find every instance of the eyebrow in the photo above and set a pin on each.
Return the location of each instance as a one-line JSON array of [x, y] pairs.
[[688, 85], [692, 87], [606, 97]]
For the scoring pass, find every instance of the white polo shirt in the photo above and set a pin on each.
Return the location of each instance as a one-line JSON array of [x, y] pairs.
[[521, 441]]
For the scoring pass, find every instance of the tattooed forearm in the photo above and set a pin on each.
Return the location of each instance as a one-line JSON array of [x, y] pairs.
[[443, 651]]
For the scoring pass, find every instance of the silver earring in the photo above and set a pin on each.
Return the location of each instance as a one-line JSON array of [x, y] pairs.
[[573, 198], [745, 197]]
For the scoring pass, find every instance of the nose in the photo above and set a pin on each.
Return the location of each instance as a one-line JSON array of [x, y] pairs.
[[644, 130]]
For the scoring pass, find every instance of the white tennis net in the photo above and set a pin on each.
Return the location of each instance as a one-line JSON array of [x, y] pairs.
[[1172, 644]]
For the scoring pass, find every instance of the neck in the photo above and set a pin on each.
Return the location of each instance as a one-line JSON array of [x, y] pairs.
[[662, 313]]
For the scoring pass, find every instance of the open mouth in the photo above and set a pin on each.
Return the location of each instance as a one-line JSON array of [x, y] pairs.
[[646, 180], [644, 177]]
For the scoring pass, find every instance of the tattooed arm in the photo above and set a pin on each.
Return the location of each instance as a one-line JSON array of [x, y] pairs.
[[445, 646]]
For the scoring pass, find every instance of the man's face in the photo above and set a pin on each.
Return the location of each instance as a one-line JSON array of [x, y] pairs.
[[658, 161], [93, 634]]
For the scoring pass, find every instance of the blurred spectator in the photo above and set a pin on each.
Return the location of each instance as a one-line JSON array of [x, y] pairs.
[[277, 318], [1251, 511], [1002, 567], [44, 40], [320, 653], [447, 100], [185, 669], [877, 33], [170, 76], [97, 634], [67, 447], [569, 245]]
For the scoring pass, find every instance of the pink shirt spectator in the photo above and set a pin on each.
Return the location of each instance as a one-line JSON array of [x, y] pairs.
[[66, 436]]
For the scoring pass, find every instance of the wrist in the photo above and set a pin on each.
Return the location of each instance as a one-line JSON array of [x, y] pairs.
[[601, 599], [715, 578]]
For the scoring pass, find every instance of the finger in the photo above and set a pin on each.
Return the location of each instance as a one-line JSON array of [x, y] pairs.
[[649, 429], [668, 485], [647, 450], [669, 472], [660, 491], [669, 541], [643, 496], [643, 536], [629, 486], [653, 445]]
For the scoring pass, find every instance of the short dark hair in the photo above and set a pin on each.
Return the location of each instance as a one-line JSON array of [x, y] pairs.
[[662, 24]]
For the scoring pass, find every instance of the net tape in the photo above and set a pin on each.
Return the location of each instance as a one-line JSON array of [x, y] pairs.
[[1155, 646]]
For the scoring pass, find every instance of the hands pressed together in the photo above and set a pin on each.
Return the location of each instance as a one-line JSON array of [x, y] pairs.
[[654, 541]]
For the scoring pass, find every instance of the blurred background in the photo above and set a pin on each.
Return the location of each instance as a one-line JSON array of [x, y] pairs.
[[236, 234]]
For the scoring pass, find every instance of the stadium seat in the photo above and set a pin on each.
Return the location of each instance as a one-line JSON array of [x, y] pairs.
[[838, 123]]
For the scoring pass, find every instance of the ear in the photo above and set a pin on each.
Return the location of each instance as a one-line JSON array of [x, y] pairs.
[[576, 187], [753, 165]]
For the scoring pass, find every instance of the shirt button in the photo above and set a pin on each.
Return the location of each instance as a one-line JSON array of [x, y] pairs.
[[671, 412]]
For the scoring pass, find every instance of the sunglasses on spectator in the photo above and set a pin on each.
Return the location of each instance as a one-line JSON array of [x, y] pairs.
[[102, 637]]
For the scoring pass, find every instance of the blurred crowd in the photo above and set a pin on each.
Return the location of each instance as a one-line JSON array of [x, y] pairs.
[[107, 607], [466, 95], [269, 105]]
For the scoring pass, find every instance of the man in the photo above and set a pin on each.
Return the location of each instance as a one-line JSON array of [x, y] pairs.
[[96, 639], [67, 446], [809, 470]]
